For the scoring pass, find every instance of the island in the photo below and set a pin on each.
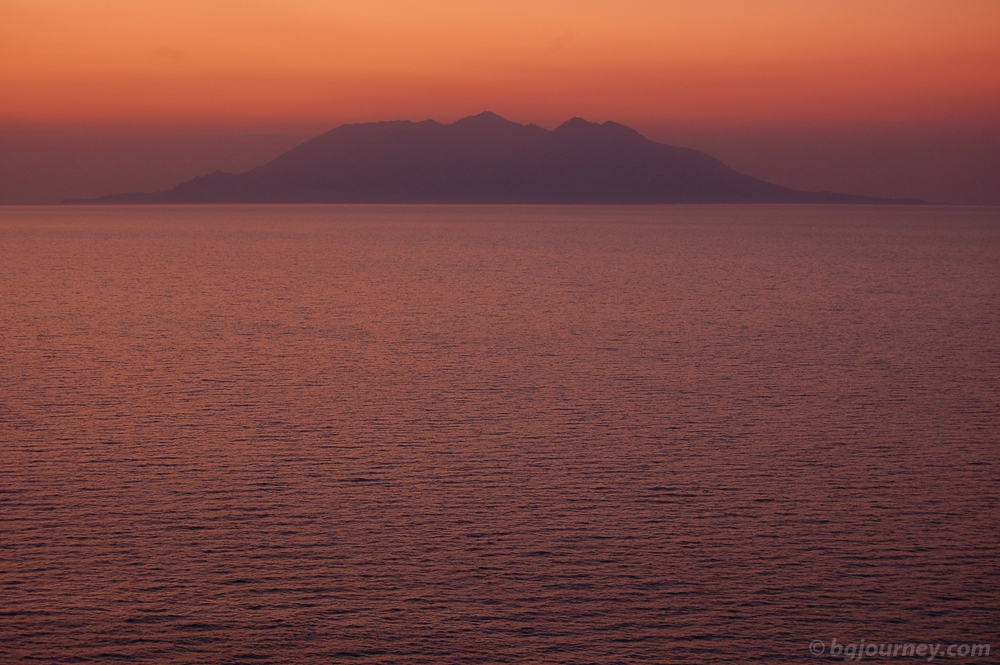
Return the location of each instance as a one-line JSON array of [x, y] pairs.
[[485, 159]]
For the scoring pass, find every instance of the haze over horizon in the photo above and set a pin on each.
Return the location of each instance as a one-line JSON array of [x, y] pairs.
[[898, 99]]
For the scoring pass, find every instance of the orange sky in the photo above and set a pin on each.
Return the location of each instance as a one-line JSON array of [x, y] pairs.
[[721, 63], [880, 97]]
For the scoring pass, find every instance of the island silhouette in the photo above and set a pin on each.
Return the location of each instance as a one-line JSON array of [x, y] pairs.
[[485, 159]]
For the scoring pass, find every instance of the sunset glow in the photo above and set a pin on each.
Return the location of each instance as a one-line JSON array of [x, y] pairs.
[[895, 98], [719, 63]]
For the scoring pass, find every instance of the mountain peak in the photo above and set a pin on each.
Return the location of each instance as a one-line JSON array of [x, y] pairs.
[[485, 119], [576, 124]]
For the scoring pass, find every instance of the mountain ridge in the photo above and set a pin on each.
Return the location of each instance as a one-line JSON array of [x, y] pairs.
[[484, 158]]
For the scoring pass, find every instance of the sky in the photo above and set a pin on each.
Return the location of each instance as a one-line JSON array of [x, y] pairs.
[[880, 97]]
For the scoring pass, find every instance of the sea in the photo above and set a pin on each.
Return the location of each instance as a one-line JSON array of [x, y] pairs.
[[499, 434]]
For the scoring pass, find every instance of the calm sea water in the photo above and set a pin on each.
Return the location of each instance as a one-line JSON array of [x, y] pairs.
[[496, 434]]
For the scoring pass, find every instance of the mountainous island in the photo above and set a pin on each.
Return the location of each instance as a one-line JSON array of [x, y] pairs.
[[485, 159]]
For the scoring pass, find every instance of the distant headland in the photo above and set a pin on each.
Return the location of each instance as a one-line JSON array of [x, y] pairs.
[[485, 159]]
